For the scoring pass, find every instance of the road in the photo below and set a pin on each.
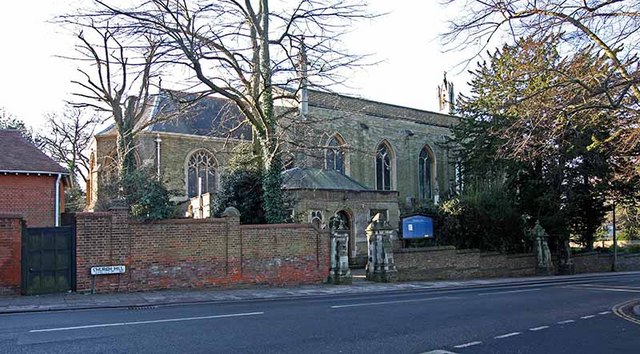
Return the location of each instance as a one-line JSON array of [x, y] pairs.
[[532, 317]]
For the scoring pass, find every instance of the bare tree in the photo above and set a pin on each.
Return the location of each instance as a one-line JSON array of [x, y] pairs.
[[66, 139], [118, 74], [246, 51], [609, 29]]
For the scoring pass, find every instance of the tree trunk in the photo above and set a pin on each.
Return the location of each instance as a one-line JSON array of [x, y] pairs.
[[273, 201]]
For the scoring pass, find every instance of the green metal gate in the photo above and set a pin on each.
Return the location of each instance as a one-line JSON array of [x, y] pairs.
[[48, 260]]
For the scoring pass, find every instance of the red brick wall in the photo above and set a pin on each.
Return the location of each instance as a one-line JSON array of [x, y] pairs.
[[10, 253], [31, 196], [189, 253]]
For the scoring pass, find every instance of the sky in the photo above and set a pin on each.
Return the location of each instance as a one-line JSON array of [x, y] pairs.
[[34, 80]]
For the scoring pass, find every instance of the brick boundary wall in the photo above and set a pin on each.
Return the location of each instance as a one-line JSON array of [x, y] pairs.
[[187, 253], [10, 253], [594, 262], [446, 262]]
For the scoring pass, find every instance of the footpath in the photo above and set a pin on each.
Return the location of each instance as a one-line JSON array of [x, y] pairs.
[[82, 301]]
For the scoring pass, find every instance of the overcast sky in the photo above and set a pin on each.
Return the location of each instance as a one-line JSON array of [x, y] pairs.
[[34, 81]]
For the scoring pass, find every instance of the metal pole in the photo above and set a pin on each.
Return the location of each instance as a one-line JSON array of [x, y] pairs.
[[158, 141], [615, 241]]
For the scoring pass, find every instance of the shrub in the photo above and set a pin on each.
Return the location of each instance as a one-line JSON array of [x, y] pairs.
[[242, 188], [146, 197], [485, 218]]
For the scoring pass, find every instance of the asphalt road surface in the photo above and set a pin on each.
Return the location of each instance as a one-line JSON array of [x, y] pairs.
[[534, 317]]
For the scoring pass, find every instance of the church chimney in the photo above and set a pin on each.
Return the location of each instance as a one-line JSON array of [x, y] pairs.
[[303, 93]]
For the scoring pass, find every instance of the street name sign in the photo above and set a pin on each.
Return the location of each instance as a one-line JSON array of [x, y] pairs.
[[102, 270]]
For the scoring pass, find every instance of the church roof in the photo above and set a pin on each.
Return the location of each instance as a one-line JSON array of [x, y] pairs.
[[192, 114], [203, 116], [314, 178], [20, 156], [380, 109]]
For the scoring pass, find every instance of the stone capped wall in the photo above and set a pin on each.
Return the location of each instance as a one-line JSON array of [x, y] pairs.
[[594, 262], [10, 253], [446, 262], [187, 253]]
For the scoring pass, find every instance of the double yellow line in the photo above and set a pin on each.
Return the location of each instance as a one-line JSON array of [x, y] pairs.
[[619, 311]]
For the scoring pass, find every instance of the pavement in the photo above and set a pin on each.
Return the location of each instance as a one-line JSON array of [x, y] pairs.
[[83, 301]]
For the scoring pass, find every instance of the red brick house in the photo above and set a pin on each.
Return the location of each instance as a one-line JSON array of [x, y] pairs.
[[31, 183]]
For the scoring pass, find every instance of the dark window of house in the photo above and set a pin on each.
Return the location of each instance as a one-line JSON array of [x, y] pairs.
[[424, 174], [201, 170], [334, 158], [383, 168]]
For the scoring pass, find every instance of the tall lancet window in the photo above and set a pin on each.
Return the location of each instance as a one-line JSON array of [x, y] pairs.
[[335, 155], [424, 173], [384, 160], [201, 170]]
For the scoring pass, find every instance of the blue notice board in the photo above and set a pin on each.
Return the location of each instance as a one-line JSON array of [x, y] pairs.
[[418, 226]]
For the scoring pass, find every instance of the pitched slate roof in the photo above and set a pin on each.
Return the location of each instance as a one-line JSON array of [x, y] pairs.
[[17, 155], [188, 113], [314, 178], [380, 109], [206, 116]]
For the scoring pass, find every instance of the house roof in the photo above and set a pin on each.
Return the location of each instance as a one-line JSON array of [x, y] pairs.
[[314, 178], [20, 156], [380, 109]]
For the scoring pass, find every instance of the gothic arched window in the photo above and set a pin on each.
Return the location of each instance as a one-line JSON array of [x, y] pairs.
[[424, 173], [201, 170], [384, 160], [335, 155]]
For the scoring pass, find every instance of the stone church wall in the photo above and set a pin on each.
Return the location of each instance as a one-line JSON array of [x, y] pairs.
[[364, 132], [175, 149]]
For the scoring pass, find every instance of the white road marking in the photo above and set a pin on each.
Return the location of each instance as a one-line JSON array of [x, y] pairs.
[[565, 322], [587, 317], [465, 345], [507, 335], [393, 302], [622, 290], [604, 313], [145, 322], [538, 328], [508, 292], [439, 351]]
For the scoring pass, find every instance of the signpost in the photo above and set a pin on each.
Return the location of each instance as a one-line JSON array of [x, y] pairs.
[[104, 270]]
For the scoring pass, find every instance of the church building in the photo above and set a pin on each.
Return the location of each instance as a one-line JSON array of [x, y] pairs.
[[343, 155]]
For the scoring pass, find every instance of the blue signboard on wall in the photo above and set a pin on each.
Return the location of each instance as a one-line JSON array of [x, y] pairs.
[[418, 226]]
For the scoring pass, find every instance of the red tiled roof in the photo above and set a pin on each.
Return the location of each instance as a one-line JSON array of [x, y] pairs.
[[19, 155]]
